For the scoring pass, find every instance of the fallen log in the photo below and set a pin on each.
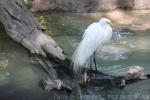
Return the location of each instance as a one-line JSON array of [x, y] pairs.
[[23, 28], [49, 84], [97, 78]]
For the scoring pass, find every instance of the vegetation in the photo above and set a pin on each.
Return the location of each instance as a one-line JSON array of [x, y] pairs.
[[29, 4], [44, 24], [3, 64]]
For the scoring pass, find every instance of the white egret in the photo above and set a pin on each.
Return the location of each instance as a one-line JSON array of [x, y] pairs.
[[95, 35]]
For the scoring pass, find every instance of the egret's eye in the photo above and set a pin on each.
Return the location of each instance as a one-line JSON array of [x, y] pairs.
[[108, 22]]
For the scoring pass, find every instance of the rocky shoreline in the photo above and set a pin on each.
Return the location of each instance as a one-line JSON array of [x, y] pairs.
[[81, 6]]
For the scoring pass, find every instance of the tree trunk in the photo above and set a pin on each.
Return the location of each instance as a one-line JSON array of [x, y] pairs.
[[22, 27]]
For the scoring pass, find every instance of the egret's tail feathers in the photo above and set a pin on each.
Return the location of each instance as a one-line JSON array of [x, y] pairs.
[[77, 61], [82, 53]]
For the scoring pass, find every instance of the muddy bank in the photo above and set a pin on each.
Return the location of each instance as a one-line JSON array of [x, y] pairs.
[[89, 5]]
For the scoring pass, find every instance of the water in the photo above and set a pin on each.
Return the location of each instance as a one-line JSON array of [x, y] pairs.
[[19, 78]]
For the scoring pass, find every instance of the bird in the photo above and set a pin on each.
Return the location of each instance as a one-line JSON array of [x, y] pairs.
[[95, 35]]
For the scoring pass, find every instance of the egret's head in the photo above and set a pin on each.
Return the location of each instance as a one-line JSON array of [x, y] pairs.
[[105, 21]]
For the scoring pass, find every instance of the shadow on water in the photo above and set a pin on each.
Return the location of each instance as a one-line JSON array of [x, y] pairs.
[[19, 79]]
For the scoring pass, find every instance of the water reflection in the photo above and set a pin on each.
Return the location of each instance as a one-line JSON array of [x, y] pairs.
[[19, 80]]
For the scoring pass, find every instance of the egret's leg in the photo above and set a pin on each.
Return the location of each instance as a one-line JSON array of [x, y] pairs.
[[100, 60], [94, 60], [91, 62], [100, 51]]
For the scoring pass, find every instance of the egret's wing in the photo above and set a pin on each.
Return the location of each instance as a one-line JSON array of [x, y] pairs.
[[90, 29], [92, 38]]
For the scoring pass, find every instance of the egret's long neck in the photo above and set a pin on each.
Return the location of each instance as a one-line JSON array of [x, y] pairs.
[[105, 26]]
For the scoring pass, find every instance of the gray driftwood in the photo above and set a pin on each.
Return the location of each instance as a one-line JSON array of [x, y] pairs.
[[49, 84], [22, 27], [129, 74]]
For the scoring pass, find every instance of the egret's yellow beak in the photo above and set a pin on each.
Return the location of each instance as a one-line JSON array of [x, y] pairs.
[[113, 25]]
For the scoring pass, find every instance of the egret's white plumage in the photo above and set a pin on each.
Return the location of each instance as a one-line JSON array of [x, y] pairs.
[[94, 36]]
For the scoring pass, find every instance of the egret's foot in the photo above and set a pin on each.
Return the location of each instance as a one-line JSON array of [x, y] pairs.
[[82, 84], [123, 83]]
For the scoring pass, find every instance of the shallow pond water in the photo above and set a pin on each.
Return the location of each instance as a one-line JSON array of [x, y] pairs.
[[19, 78]]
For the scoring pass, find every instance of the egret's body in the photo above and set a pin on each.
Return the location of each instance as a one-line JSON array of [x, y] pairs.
[[95, 35]]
